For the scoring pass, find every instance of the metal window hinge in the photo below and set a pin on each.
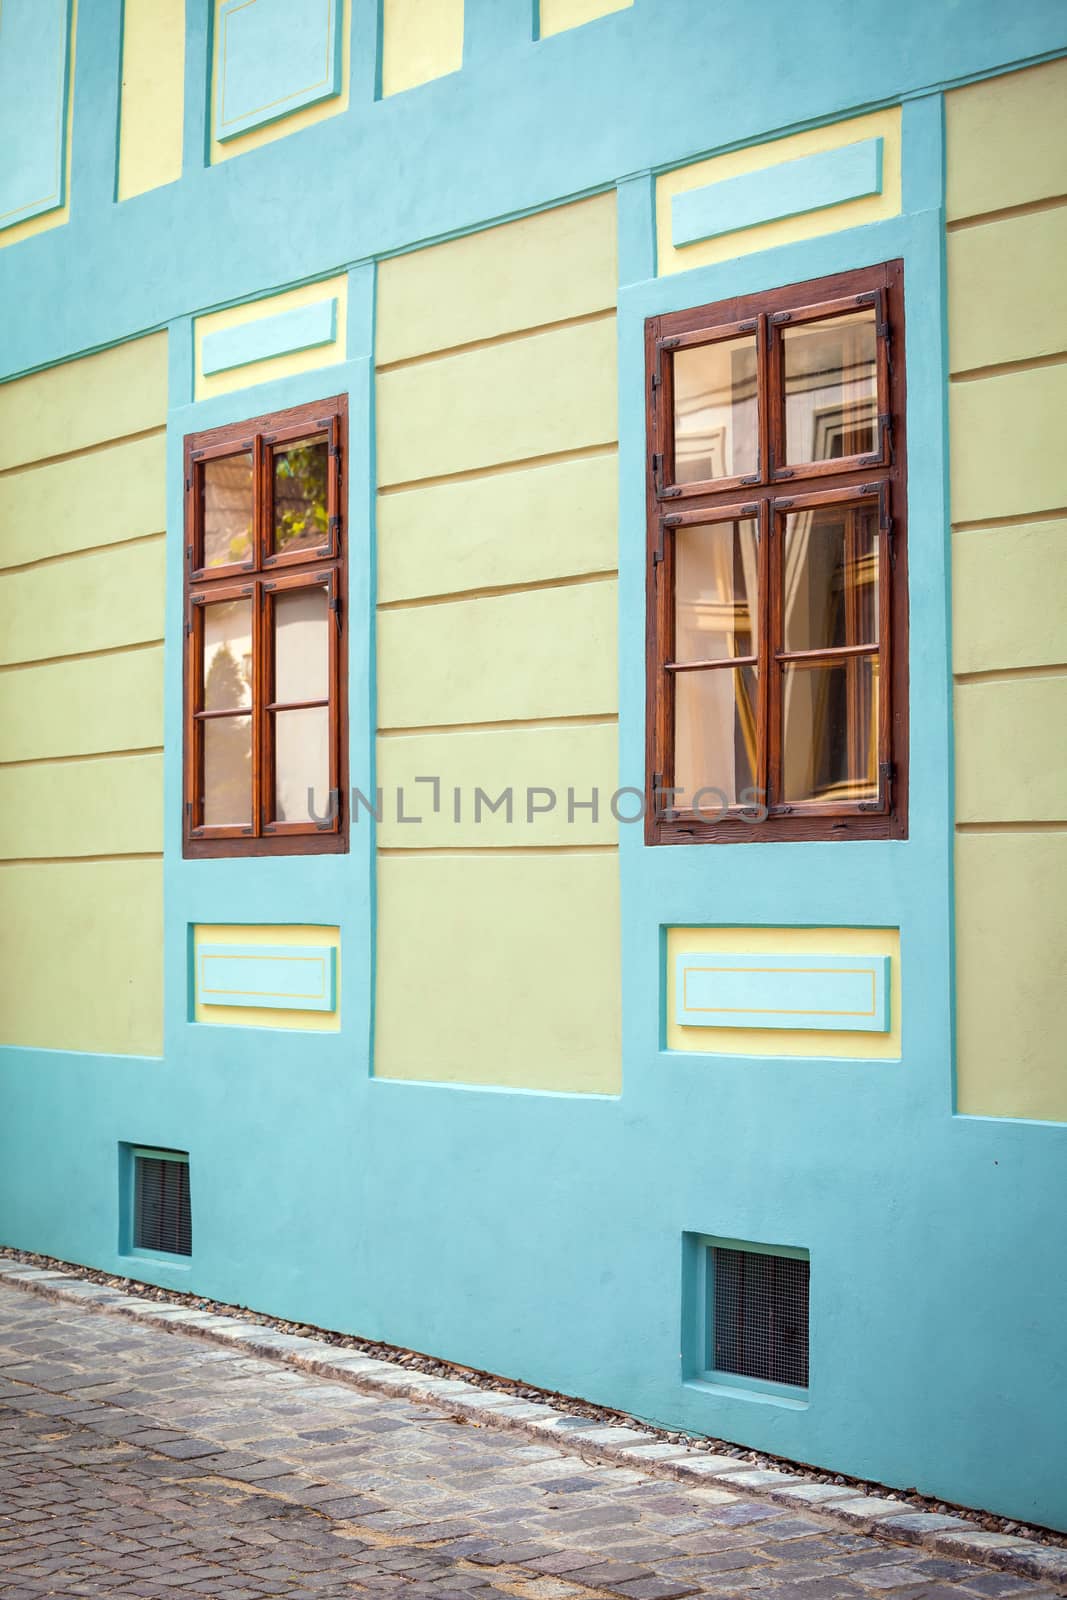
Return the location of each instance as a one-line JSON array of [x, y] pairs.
[[748, 327], [887, 773], [885, 437], [752, 478], [778, 317], [334, 527]]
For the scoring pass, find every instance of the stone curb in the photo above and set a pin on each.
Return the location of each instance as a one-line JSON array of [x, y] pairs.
[[623, 1445]]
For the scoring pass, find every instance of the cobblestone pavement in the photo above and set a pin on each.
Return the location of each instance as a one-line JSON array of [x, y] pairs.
[[140, 1463]]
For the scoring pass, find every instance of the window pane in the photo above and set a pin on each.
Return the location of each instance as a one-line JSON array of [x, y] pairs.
[[227, 655], [831, 387], [227, 491], [715, 591], [715, 418], [830, 578], [300, 516], [830, 731], [301, 762], [227, 771], [301, 645], [715, 736]]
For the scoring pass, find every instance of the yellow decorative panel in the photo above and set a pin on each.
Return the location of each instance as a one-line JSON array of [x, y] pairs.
[[1007, 290], [1004, 141], [152, 111], [559, 15], [541, 269], [86, 707], [267, 1016], [279, 366], [109, 807], [572, 761], [1007, 444], [500, 969], [1011, 983], [1008, 586], [786, 1041], [61, 214], [538, 523], [90, 500], [445, 416], [884, 125], [421, 40], [1011, 758], [553, 654], [305, 117], [96, 601], [91, 933], [86, 402]]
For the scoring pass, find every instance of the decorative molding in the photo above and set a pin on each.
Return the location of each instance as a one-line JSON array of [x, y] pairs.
[[303, 328], [274, 57], [34, 73], [843, 993], [789, 189], [278, 977]]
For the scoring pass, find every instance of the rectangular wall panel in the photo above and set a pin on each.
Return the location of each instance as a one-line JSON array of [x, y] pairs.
[[101, 600], [86, 402], [152, 111], [71, 708], [34, 67], [753, 990], [112, 806], [1004, 141], [421, 40], [277, 977], [102, 498]]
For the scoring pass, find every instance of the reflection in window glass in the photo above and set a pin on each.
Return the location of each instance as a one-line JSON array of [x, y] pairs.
[[715, 735], [715, 589], [301, 762], [715, 411], [227, 492], [301, 520], [227, 771], [227, 665], [301, 645], [831, 388], [830, 731], [830, 578]]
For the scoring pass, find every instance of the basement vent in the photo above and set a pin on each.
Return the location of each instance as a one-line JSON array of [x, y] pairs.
[[161, 1214], [760, 1304]]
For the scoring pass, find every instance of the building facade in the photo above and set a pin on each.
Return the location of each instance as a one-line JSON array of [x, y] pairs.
[[533, 811]]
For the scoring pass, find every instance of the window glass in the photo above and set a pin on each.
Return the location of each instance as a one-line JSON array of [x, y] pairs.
[[227, 492], [831, 387], [301, 645], [715, 588], [301, 762], [227, 663], [830, 731], [715, 734], [830, 578], [301, 520], [227, 771], [716, 432]]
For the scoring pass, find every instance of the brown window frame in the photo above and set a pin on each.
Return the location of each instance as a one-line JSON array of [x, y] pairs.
[[767, 496], [262, 577]]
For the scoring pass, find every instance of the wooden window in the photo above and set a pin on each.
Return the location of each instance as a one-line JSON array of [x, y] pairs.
[[265, 762], [777, 571]]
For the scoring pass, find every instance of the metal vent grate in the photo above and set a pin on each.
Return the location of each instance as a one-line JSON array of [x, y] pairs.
[[162, 1217], [761, 1315]]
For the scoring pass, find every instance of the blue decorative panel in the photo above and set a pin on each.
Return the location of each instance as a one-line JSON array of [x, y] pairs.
[[846, 993], [34, 62], [274, 56], [280, 977], [786, 190], [300, 329]]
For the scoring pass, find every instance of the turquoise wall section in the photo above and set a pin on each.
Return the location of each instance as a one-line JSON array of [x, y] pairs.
[[531, 1233]]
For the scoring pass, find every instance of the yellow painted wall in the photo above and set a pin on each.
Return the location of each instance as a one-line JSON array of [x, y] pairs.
[[497, 654], [306, 117], [421, 40], [788, 230], [52, 219], [559, 15], [787, 1041], [286, 366], [1006, 189], [152, 112], [266, 1016], [82, 487]]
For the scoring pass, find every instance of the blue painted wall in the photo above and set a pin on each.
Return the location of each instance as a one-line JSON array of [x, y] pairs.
[[537, 1234]]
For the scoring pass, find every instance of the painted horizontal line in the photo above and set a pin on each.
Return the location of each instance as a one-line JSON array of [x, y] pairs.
[[71, 861], [1026, 209], [1003, 368], [81, 655], [1011, 827], [500, 850], [597, 719], [93, 755], [1007, 674], [86, 450], [493, 340], [553, 458], [491, 591], [85, 550], [1016, 520]]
